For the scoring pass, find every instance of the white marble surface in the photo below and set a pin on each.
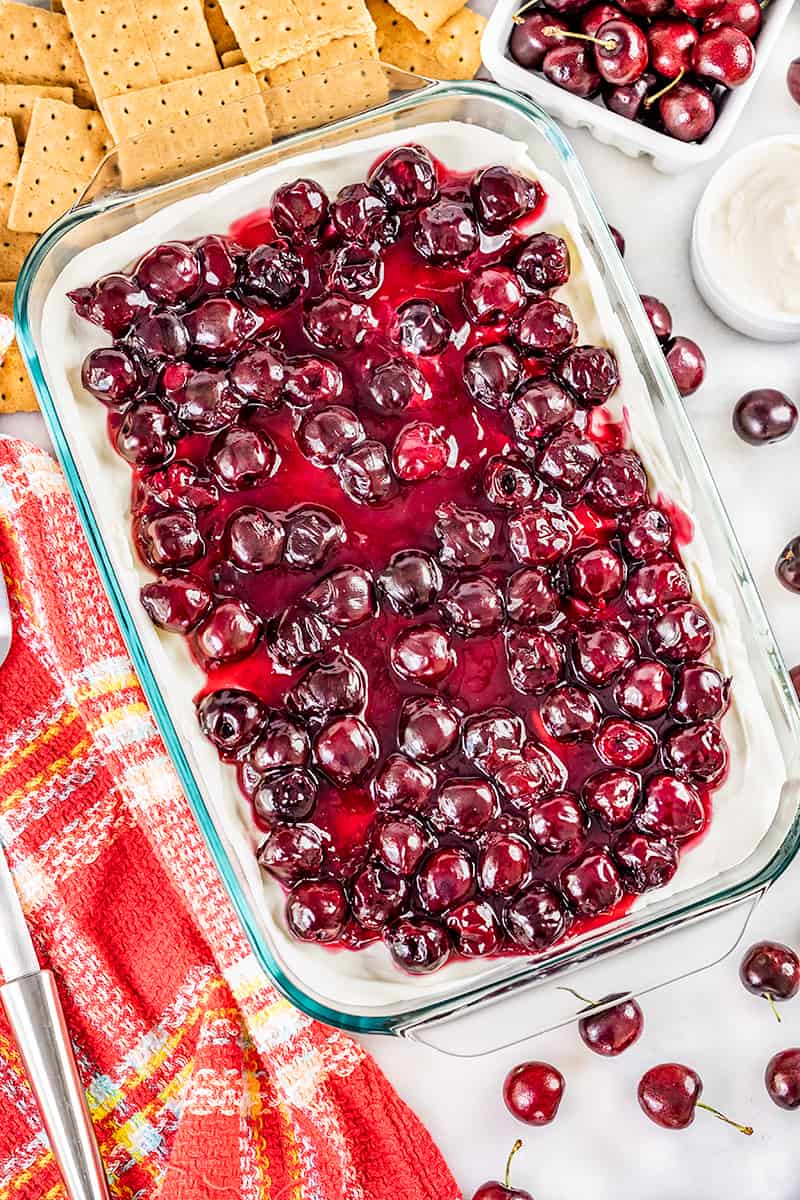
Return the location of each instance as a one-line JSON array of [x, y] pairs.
[[601, 1147]]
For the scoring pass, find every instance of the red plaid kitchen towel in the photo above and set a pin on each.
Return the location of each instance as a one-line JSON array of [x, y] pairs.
[[202, 1081]]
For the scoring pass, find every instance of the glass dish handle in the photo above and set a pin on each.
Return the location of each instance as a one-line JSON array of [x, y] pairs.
[[475, 1030]]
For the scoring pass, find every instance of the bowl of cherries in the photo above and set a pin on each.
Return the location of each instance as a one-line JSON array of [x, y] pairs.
[[666, 78]]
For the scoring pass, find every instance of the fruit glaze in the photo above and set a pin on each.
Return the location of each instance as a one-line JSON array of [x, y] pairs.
[[448, 639]]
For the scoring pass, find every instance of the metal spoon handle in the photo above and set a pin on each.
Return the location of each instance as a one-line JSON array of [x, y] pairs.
[[37, 1020]]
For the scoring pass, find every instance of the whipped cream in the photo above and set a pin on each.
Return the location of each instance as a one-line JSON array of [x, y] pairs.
[[751, 236], [367, 982]]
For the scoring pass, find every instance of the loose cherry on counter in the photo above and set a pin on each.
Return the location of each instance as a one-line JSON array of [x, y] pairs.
[[533, 1092], [687, 363], [782, 1079], [764, 415], [669, 1094], [793, 79], [771, 970], [494, 1190], [787, 567], [659, 317], [611, 1030]]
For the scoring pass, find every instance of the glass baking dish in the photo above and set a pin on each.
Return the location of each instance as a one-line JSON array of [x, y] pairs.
[[514, 996]]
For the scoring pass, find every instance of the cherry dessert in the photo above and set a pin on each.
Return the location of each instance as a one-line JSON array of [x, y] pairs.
[[669, 1095], [450, 649]]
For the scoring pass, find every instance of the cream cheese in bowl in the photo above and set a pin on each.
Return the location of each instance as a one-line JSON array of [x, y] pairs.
[[746, 240]]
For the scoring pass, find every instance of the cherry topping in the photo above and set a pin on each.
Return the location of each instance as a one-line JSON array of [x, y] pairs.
[[591, 373], [365, 473], [169, 272], [619, 483], [446, 878], [346, 750], [568, 461], [491, 373], [219, 259], [300, 634], [505, 864], [764, 415], [172, 540], [310, 380], [539, 408], [403, 783], [113, 302], [346, 597], [292, 852], [502, 197], [324, 435], [539, 535], [358, 213], [145, 435], [533, 1092], [255, 539], [465, 535], [645, 862], [474, 928], [466, 805], [647, 533], [281, 742], [258, 375], [612, 796], [417, 945], [446, 232], [419, 452], [356, 269], [601, 652], [657, 584], [670, 1093], [241, 458], [672, 808], [592, 885], [312, 534], [644, 689], [299, 209], [682, 632], [701, 693], [275, 273], [422, 327], [230, 719], [546, 328], [697, 752], [406, 177], [176, 602], [289, 795], [423, 654], [492, 295], [316, 910], [472, 605], [558, 824], [377, 896], [782, 1079], [111, 374], [218, 327], [771, 970], [337, 322], [508, 481], [544, 263], [429, 727], [493, 737], [228, 633], [400, 842], [335, 685], [535, 660], [530, 596], [536, 919], [569, 713], [597, 575], [204, 400], [411, 581], [395, 385]]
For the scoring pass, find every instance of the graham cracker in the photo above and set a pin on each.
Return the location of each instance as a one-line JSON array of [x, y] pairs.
[[189, 124], [340, 53], [308, 101], [16, 392], [232, 58], [271, 32], [132, 44], [428, 15], [13, 246], [453, 52], [16, 101], [222, 35], [57, 6], [37, 46], [65, 146]]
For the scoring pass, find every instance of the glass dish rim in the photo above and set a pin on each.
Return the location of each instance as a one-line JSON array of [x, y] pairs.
[[616, 938]]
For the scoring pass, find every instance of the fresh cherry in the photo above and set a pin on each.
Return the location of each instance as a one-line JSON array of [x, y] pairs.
[[688, 113], [621, 50], [741, 14], [787, 567], [782, 1079], [610, 1028], [764, 415], [659, 317], [571, 66], [533, 1092], [494, 1190], [669, 1095], [724, 55], [628, 100], [671, 44], [771, 970], [529, 43], [793, 79]]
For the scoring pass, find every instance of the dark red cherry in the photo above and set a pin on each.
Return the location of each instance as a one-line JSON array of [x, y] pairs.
[[619, 240], [474, 928], [275, 273], [312, 534], [697, 10], [176, 602], [644, 689], [686, 361], [621, 50], [310, 380], [204, 401], [255, 538], [697, 752], [724, 55], [619, 483], [258, 375], [590, 373], [657, 584], [571, 66], [356, 269], [337, 322], [365, 473], [761, 416], [569, 713], [529, 43], [508, 481], [601, 652], [377, 896], [611, 797], [671, 44], [568, 460], [219, 258], [539, 535], [299, 635], [465, 535], [543, 263], [400, 842], [230, 718], [611, 1031], [687, 112], [288, 795], [592, 885], [596, 575], [419, 452], [219, 326], [787, 567], [670, 1093], [645, 862], [145, 435], [428, 728], [627, 100], [228, 633], [491, 374], [446, 232], [422, 327], [466, 805], [422, 654], [530, 596], [492, 295], [298, 209], [741, 14], [281, 743], [241, 458], [658, 314], [323, 436], [358, 212], [316, 910], [172, 540], [533, 1092], [527, 780], [335, 685], [411, 581], [446, 878], [502, 197], [539, 408], [771, 970], [346, 750], [558, 824], [472, 606], [505, 864], [406, 177], [169, 272], [672, 808], [701, 693], [346, 597], [402, 783], [647, 533], [782, 1079], [113, 302], [395, 385], [417, 945], [292, 852], [536, 919], [546, 328], [793, 79], [492, 737], [681, 633], [592, 18], [110, 373], [535, 660]]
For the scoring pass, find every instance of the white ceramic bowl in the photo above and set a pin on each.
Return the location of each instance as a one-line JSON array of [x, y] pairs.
[[668, 154], [727, 302]]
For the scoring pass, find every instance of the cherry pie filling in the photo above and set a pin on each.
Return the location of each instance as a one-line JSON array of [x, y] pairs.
[[449, 643]]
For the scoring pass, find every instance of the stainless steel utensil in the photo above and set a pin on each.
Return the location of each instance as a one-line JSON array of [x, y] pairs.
[[30, 998]]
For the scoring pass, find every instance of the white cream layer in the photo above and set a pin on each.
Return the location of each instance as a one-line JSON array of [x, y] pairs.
[[367, 982]]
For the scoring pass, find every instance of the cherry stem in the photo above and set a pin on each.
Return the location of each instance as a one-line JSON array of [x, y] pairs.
[[517, 1146], [768, 996], [517, 17], [747, 1130], [554, 32], [578, 996], [650, 100]]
